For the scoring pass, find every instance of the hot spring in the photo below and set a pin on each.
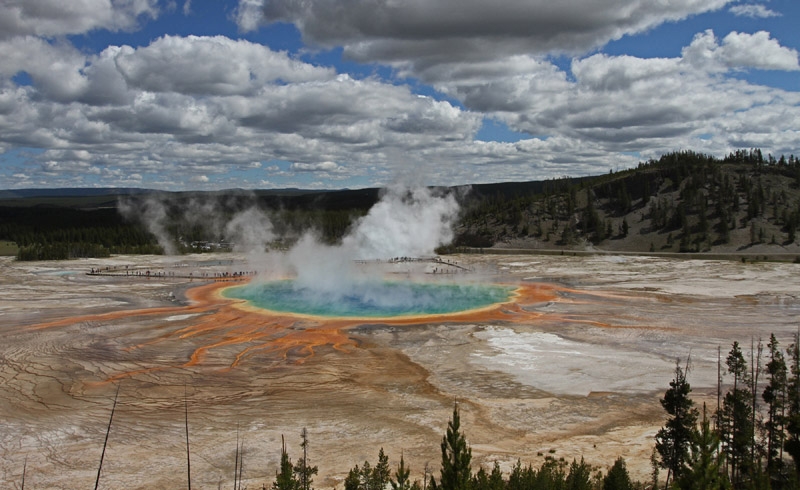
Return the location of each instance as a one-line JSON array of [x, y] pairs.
[[379, 299]]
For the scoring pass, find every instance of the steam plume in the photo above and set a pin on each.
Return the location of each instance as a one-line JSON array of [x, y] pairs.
[[153, 214], [406, 222]]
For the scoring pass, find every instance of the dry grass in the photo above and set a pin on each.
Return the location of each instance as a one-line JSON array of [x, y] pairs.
[[8, 248]]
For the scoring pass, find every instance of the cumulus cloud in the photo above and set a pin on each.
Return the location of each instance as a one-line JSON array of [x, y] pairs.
[[426, 32], [628, 104], [49, 18], [154, 110], [54, 68], [316, 167], [229, 67], [739, 50], [754, 11]]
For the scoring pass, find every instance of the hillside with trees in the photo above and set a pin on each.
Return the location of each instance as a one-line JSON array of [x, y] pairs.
[[682, 202]]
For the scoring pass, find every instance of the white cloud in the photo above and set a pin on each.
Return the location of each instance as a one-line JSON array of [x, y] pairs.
[[248, 14], [316, 167], [425, 32], [245, 104], [739, 50], [628, 104], [156, 111], [51, 18], [754, 11], [228, 67], [54, 68]]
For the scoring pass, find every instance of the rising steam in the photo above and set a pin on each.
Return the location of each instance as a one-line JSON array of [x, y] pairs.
[[405, 222], [152, 212]]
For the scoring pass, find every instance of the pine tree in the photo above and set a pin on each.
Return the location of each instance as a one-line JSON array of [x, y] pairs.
[[774, 396], [284, 477], [496, 481], [456, 456], [480, 480], [353, 479], [580, 476], [381, 474], [303, 471], [551, 475], [703, 471], [617, 477], [673, 440], [792, 444], [400, 481], [736, 427]]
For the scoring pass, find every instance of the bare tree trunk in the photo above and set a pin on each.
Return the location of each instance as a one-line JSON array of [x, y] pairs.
[[108, 431], [236, 462], [719, 383], [186, 420], [755, 369]]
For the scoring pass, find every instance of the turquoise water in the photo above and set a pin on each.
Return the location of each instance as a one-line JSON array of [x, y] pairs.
[[372, 300]]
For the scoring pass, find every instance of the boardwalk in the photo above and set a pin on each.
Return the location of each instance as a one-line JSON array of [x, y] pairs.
[[169, 273]]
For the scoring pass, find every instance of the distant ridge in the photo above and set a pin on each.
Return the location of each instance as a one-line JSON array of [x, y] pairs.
[[71, 192], [130, 191]]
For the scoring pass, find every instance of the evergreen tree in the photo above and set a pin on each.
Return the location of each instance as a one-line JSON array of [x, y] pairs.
[[515, 479], [736, 426], [774, 396], [496, 481], [550, 476], [617, 477], [381, 474], [400, 481], [493, 480], [284, 477], [303, 471], [673, 440], [792, 444], [353, 479], [480, 480], [456, 456], [365, 476], [703, 470], [579, 477]]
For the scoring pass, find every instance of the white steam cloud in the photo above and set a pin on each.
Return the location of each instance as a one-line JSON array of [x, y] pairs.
[[405, 222], [153, 213], [250, 231]]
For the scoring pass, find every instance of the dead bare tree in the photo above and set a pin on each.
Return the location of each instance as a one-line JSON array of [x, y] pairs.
[[105, 444], [186, 419], [24, 470]]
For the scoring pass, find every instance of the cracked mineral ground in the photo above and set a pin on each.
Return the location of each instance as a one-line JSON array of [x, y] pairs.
[[572, 366]]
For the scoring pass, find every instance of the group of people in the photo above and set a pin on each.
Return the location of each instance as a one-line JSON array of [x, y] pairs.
[[147, 273]]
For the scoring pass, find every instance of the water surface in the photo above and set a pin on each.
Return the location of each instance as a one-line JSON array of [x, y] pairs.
[[378, 299]]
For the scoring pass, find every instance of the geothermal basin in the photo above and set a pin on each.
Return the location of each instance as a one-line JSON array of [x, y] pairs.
[[569, 361], [371, 299]]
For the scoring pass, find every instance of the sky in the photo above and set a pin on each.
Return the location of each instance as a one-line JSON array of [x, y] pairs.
[[331, 94]]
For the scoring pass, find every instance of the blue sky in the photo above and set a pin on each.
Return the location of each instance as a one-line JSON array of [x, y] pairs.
[[206, 94]]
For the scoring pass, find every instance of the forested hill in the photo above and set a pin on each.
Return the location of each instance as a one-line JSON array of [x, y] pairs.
[[682, 202]]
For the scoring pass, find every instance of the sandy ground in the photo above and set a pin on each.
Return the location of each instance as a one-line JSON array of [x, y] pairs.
[[574, 369]]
